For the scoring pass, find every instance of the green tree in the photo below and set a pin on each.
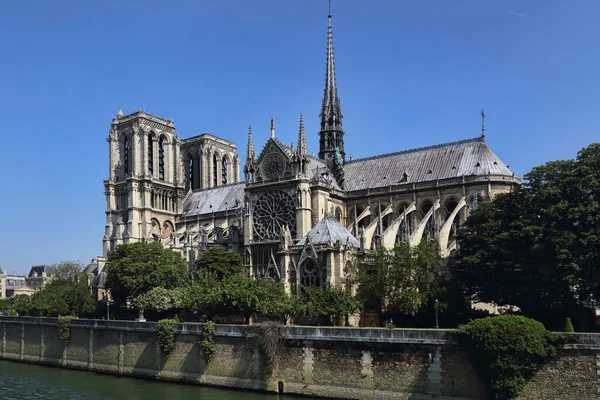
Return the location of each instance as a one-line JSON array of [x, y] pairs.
[[247, 296], [67, 271], [221, 262], [67, 293], [330, 304], [399, 280], [134, 269], [161, 299], [204, 297], [507, 350], [21, 303], [538, 247]]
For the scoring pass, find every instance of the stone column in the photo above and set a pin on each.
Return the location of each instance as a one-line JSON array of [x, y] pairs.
[[22, 347], [91, 350], [307, 367], [113, 156], [42, 343], [367, 370], [121, 351]]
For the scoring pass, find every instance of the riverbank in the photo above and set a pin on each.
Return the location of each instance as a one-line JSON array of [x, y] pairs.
[[352, 363]]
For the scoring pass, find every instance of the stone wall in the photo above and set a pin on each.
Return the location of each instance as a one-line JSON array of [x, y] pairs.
[[330, 362]]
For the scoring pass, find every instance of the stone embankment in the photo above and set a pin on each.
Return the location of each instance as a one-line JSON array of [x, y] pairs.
[[349, 363]]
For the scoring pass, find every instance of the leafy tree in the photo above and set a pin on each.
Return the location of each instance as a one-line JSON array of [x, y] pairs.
[[161, 299], [328, 304], [204, 297], [538, 247], [67, 271], [507, 350], [134, 269], [67, 293], [247, 296], [21, 303], [221, 262], [398, 280]]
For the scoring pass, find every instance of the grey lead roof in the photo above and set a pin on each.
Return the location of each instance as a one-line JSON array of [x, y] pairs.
[[328, 231], [447, 160], [214, 199]]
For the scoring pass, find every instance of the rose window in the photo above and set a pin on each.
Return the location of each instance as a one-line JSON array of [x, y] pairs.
[[272, 212], [273, 167]]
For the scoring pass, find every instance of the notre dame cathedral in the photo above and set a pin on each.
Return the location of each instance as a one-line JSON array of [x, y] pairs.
[[295, 218]]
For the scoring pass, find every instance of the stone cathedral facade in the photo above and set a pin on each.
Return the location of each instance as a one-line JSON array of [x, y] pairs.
[[296, 218]]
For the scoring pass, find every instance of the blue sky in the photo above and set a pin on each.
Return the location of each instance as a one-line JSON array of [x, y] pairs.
[[410, 74]]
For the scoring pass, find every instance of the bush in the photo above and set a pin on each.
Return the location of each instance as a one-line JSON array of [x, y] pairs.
[[64, 326], [507, 350], [568, 326], [165, 328], [208, 341]]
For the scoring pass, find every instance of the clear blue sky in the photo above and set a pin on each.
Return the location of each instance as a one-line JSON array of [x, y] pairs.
[[410, 74]]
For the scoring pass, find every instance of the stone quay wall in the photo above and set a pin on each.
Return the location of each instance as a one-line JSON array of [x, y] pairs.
[[343, 363]]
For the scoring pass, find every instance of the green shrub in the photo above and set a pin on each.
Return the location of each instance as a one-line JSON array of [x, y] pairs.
[[390, 325], [568, 326], [176, 319], [208, 341], [165, 328], [507, 350], [64, 327], [13, 313]]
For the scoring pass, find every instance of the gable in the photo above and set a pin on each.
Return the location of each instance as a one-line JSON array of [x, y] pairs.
[[274, 162]]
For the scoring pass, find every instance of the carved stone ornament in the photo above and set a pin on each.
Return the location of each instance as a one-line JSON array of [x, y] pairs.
[[273, 167]]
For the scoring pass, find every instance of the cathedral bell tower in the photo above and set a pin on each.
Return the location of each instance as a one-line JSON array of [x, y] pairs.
[[146, 184], [331, 143]]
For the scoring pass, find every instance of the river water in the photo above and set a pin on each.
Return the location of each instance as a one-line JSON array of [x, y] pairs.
[[26, 381]]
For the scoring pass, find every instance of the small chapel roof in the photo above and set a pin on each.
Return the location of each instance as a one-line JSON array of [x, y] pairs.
[[215, 199], [328, 231], [442, 161]]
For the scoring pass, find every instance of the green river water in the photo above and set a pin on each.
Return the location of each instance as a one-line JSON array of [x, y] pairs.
[[26, 381]]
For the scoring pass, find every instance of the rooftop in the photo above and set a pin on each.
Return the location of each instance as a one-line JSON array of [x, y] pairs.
[[328, 231], [442, 161]]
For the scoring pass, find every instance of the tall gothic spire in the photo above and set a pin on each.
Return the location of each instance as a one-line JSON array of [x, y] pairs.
[[250, 155], [331, 111], [331, 143], [302, 151]]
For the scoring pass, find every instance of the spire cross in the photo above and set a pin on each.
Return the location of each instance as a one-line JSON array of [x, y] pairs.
[[482, 123]]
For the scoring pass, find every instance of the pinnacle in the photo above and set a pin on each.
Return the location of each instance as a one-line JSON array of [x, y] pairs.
[[301, 137]]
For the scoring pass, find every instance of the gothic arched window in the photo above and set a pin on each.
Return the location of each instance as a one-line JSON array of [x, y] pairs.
[[161, 159], [215, 169], [338, 214], [150, 154], [126, 156], [310, 274], [224, 171], [191, 172]]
